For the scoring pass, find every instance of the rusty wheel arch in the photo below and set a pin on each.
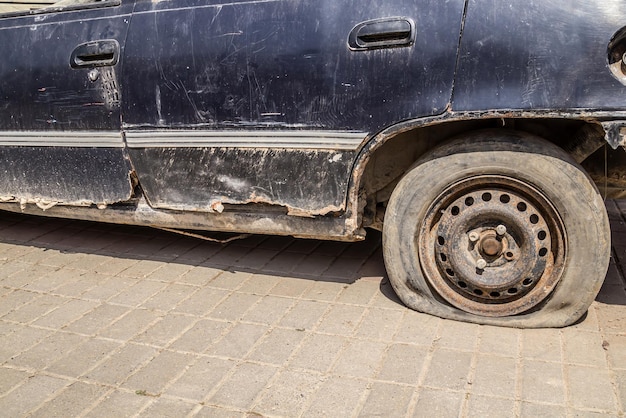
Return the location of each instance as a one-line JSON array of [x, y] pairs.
[[386, 156]]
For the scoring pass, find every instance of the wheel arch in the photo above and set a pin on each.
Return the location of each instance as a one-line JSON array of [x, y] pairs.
[[385, 157]]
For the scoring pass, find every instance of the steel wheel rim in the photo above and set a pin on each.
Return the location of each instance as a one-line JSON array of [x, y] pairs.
[[492, 245]]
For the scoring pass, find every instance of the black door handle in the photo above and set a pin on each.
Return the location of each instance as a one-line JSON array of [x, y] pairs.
[[382, 33], [101, 53]]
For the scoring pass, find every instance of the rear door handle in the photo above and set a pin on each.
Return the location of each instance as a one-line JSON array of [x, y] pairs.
[[382, 33], [101, 53]]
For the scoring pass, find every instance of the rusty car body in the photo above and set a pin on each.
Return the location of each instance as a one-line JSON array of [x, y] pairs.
[[472, 132]]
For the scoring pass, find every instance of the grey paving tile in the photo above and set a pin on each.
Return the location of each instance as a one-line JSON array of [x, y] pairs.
[[495, 376], [291, 287], [11, 378], [386, 399], [318, 352], [238, 341], [30, 395], [288, 394], [277, 346], [114, 265], [165, 330], [200, 378], [417, 328], [314, 264], [458, 335], [169, 272], [52, 280], [480, 406], [168, 297], [542, 344], [97, 319], [47, 350], [158, 373], [241, 388], [202, 301], [304, 315], [199, 275], [108, 288], [324, 290], [500, 341], [260, 284], [386, 297], [141, 269], [620, 380], [201, 336], [529, 409], [35, 308], [438, 403], [138, 293], [71, 401], [85, 282], [584, 348], [341, 320], [219, 412], [20, 339], [234, 306], [283, 262], [403, 363], [269, 310], [590, 387], [82, 358], [167, 408], [360, 359], [120, 364], [448, 369], [131, 324], [379, 324], [66, 313], [337, 396], [543, 382], [256, 259], [119, 404], [361, 292], [230, 280], [14, 300], [612, 318]]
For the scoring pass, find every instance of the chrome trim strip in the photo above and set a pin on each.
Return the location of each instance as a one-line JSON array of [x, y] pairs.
[[61, 139], [246, 139]]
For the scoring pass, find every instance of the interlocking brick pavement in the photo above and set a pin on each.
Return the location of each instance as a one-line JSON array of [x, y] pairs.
[[108, 321]]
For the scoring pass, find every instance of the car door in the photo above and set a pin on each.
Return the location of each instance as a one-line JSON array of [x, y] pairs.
[[60, 134], [268, 101]]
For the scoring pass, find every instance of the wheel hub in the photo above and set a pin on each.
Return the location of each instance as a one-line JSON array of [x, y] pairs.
[[492, 245]]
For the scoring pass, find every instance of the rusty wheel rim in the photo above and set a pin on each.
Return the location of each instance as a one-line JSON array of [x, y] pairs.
[[492, 246]]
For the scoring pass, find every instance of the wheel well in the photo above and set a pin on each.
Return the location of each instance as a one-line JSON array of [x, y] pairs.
[[389, 161]]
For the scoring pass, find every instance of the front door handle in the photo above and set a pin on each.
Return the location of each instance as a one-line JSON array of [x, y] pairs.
[[101, 53], [382, 33]]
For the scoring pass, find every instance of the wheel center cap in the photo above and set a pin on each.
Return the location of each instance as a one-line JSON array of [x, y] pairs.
[[491, 246]]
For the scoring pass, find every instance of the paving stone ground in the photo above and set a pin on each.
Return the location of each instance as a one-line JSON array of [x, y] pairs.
[[113, 321]]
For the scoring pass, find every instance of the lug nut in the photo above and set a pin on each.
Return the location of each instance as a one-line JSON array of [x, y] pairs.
[[501, 229], [473, 236], [481, 264]]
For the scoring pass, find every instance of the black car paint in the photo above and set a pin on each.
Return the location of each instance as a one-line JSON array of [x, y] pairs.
[[280, 65], [50, 113], [211, 69], [539, 55]]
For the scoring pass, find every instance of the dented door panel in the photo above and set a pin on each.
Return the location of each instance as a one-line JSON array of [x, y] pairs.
[[60, 133], [214, 71]]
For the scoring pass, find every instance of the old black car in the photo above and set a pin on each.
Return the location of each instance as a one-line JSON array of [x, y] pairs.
[[481, 136]]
